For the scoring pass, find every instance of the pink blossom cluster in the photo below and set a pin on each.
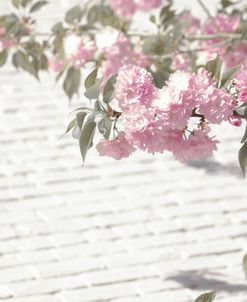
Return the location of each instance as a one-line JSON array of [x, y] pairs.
[[77, 51], [240, 82], [118, 53], [128, 9], [234, 55], [222, 23], [175, 118], [4, 42], [191, 25]]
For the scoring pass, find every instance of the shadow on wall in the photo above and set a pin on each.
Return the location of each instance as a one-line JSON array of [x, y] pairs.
[[209, 165], [199, 281]]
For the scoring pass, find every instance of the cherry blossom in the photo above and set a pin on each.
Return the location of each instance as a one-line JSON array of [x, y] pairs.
[[134, 86], [117, 148]]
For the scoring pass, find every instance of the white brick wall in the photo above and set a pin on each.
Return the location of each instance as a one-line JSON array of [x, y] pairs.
[[141, 230]]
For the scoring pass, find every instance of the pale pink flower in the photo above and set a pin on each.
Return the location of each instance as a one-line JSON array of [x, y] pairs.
[[117, 148], [192, 24], [218, 106], [7, 43], [4, 42], [181, 62], [240, 80], [223, 23], [236, 56], [78, 50], [106, 38], [195, 147], [148, 5], [122, 8], [119, 54], [139, 58], [243, 95], [134, 85], [214, 103], [175, 101], [116, 56], [2, 31], [235, 121], [27, 30], [55, 64], [144, 128]]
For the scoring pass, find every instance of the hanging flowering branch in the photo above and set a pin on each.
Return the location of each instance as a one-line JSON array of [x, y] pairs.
[[155, 91]]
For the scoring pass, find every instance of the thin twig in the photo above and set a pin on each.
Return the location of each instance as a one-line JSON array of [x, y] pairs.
[[220, 35]]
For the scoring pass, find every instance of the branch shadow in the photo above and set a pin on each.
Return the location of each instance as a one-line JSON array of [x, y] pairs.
[[211, 166], [201, 282]]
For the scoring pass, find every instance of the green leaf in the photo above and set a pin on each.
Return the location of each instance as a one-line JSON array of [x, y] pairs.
[[86, 138], [59, 75], [109, 89], [43, 62], [154, 45], [244, 138], [228, 75], [93, 14], [242, 157], [57, 28], [3, 57], [105, 126], [37, 6], [74, 14], [226, 3], [15, 3], [166, 15], [91, 78], [94, 91], [72, 82], [97, 106], [245, 265], [24, 3], [152, 19], [70, 126], [27, 63], [208, 297], [214, 67], [80, 117]]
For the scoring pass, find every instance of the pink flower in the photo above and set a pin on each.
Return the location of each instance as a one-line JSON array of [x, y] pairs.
[[117, 148], [78, 50], [195, 147], [218, 106], [55, 64], [243, 95], [134, 86], [235, 121], [236, 56], [144, 128], [223, 23], [116, 56], [214, 103], [2, 31], [181, 62], [192, 24], [85, 50], [240, 80], [147, 5], [119, 54], [4, 42], [7, 43], [122, 8], [175, 100]]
